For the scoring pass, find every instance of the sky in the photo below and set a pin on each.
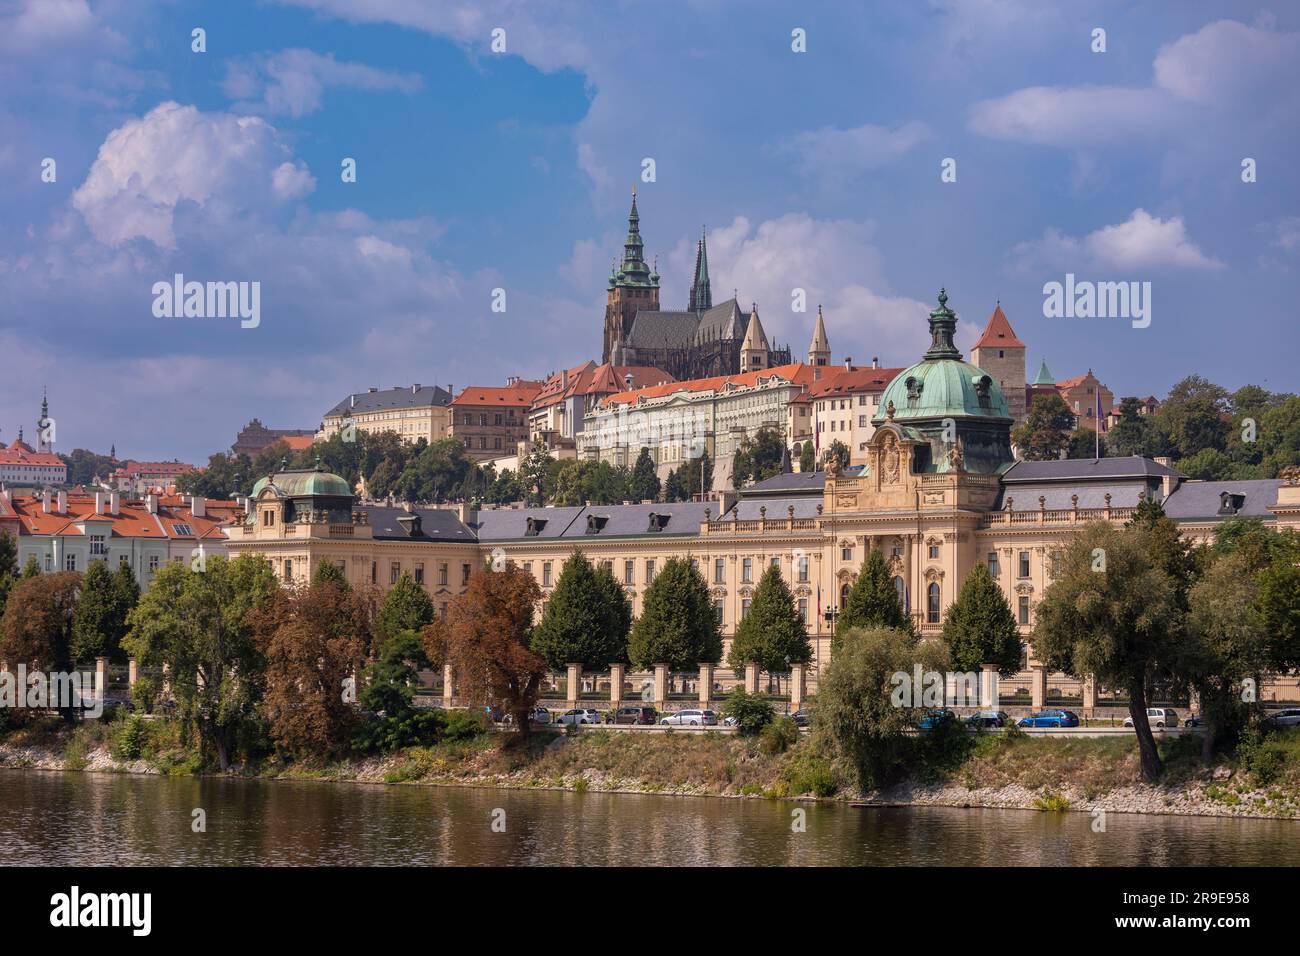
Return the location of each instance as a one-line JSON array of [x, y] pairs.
[[477, 169]]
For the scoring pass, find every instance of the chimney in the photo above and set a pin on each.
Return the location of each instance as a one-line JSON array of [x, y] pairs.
[[467, 513], [151, 503], [101, 499], [564, 379], [62, 503], [199, 506], [1168, 483], [415, 388], [451, 390], [352, 401], [875, 361], [627, 380], [114, 503], [848, 362], [7, 495], [46, 497], [372, 389]]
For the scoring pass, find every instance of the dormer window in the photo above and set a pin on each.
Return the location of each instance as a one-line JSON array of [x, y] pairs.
[[914, 386], [982, 386], [1231, 502], [535, 527], [596, 523], [657, 522]]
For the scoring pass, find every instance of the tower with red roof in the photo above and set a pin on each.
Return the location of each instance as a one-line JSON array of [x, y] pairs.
[[1000, 352]]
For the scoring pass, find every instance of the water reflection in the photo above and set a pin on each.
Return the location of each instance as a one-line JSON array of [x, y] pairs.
[[109, 819]]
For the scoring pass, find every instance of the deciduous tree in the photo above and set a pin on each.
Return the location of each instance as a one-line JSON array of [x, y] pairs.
[[677, 625], [586, 618], [772, 635], [979, 627]]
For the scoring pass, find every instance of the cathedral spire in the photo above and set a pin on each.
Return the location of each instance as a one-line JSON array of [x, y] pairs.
[[701, 296], [819, 351]]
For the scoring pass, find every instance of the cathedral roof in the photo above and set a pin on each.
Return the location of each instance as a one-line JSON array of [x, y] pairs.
[[754, 336], [662, 330], [723, 321], [820, 343]]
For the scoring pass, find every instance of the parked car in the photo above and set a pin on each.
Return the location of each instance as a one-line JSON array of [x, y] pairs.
[[634, 715], [1196, 720], [579, 715], [691, 718], [989, 718], [1157, 717], [933, 718], [800, 718], [1283, 718], [1050, 718], [540, 715]]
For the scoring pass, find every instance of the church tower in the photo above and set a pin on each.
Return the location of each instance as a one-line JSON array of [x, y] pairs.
[[45, 426], [819, 352], [633, 287], [701, 295], [1000, 353], [755, 353]]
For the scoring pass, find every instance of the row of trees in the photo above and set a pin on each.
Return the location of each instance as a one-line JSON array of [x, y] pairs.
[[1210, 432]]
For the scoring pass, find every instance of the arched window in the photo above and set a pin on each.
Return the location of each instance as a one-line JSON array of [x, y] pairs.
[[902, 592], [844, 594], [932, 603]]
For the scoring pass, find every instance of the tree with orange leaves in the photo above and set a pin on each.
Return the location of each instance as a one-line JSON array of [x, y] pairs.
[[488, 636]]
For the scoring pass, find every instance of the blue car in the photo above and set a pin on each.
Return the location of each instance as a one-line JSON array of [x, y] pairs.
[[933, 718], [1050, 718]]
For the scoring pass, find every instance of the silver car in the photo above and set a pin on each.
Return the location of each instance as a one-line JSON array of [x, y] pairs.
[[579, 715], [1283, 718], [1157, 717], [691, 718]]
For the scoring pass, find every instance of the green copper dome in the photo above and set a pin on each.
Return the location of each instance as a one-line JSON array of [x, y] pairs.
[[306, 483], [942, 385]]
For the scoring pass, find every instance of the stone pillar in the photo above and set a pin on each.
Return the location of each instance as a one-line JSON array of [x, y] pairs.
[[706, 684], [1194, 701], [1038, 687], [796, 686], [661, 685], [573, 684], [132, 672], [101, 678], [989, 686], [751, 678], [616, 684], [1090, 696], [448, 686]]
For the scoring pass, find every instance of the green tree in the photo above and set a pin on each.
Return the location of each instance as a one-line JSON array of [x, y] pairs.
[[695, 476], [99, 623], [533, 474], [31, 569], [199, 624], [807, 458], [677, 625], [1113, 614], [758, 457], [224, 476], [1084, 444], [674, 490], [752, 711], [37, 626], [644, 484], [873, 600], [1045, 435], [838, 451], [389, 694], [407, 607], [1131, 435], [1194, 416], [857, 711], [773, 635], [8, 566], [586, 618], [979, 627]]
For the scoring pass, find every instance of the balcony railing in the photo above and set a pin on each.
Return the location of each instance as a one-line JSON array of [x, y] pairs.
[[1067, 516]]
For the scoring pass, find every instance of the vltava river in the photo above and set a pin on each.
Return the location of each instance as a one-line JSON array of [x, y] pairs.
[[55, 818]]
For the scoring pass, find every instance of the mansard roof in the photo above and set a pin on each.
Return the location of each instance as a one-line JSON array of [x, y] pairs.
[[436, 524], [413, 396], [1202, 500], [1083, 469]]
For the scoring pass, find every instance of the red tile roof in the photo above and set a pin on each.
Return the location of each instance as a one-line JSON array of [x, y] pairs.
[[297, 442], [851, 381], [998, 333], [796, 372], [521, 393], [132, 520], [19, 454], [558, 384]]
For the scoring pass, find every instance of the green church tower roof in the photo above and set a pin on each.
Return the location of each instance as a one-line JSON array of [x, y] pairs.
[[1044, 376]]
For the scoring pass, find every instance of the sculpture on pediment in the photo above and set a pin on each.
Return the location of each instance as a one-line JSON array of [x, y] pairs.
[[889, 460]]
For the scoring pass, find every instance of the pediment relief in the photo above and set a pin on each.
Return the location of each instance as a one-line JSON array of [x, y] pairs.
[[1024, 588], [934, 574]]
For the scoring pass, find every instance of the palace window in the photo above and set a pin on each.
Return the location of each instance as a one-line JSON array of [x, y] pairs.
[[394, 572], [803, 610], [1024, 610], [901, 590], [993, 564], [97, 545], [69, 562], [1024, 564], [442, 574], [153, 563], [934, 551], [776, 562], [288, 569], [1054, 566], [932, 603], [374, 572], [846, 553], [419, 572], [747, 571], [464, 574], [744, 608], [649, 571], [719, 571], [717, 612], [546, 574], [802, 568], [844, 594], [629, 572]]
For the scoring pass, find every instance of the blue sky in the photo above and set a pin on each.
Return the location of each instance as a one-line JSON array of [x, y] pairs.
[[476, 170]]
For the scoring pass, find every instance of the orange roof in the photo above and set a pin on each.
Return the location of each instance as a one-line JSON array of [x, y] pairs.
[[796, 372], [998, 333], [558, 384], [132, 520], [298, 442], [609, 379], [19, 454], [1071, 382], [521, 393], [851, 381]]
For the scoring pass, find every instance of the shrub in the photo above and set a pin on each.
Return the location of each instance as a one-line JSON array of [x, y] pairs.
[[128, 739], [778, 736], [412, 729], [1052, 802], [463, 724], [751, 711], [145, 693], [810, 775]]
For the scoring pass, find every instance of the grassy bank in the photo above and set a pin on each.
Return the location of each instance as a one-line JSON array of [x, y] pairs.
[[1046, 773]]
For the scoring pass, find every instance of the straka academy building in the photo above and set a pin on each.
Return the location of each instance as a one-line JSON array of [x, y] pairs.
[[938, 492]]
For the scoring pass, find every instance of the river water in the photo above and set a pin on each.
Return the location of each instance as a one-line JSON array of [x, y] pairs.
[[54, 818]]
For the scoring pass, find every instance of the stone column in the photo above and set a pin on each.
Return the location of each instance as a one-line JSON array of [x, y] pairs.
[[448, 686], [1038, 687], [989, 686], [1194, 701], [661, 685], [796, 686], [132, 672], [1090, 696], [706, 684], [751, 678], [101, 678], [616, 684], [573, 684]]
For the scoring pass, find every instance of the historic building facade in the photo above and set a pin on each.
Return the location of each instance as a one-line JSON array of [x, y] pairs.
[[413, 412], [936, 491]]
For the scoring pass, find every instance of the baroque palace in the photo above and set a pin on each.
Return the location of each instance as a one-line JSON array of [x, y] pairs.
[[935, 488]]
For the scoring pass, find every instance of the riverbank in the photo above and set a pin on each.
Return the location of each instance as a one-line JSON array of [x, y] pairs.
[[1016, 772]]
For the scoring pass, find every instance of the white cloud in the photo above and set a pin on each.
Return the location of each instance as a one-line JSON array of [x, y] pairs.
[[45, 22], [293, 82], [1142, 241], [1226, 66], [175, 154], [842, 154]]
